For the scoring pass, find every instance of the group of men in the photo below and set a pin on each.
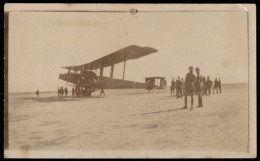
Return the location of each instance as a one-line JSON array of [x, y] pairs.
[[217, 85], [207, 86], [77, 92], [177, 85], [62, 92], [194, 85]]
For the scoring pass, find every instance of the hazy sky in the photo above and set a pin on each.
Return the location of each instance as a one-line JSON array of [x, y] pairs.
[[41, 43]]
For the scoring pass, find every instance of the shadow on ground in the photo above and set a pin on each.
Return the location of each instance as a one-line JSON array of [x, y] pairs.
[[158, 112]]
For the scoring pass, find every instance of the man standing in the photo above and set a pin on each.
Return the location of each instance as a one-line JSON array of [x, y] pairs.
[[77, 91], [182, 87], [73, 91], [189, 87], [204, 87], [199, 85], [219, 85], [172, 87], [215, 85], [66, 91], [102, 91], [37, 93], [149, 85], [61, 91], [209, 85], [178, 88]]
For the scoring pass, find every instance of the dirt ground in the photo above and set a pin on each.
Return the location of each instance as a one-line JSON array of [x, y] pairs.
[[129, 119]]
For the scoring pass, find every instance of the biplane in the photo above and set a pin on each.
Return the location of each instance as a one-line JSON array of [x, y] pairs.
[[155, 82], [86, 81]]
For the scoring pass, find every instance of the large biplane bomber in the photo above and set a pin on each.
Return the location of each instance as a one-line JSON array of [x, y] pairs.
[[84, 79]]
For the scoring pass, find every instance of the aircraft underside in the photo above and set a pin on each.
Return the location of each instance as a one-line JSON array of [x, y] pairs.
[[105, 82]]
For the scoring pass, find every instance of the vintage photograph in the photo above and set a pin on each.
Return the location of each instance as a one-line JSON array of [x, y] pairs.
[[129, 80]]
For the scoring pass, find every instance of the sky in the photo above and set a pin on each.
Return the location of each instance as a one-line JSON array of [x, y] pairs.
[[40, 43]]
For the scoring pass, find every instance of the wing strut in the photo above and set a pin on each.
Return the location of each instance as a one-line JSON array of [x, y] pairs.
[[124, 66]]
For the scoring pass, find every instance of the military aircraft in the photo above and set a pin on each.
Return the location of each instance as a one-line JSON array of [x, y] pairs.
[[86, 81]]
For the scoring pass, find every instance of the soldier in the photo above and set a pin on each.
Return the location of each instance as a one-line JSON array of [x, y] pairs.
[[66, 91], [182, 87], [199, 84], [178, 88], [204, 87], [147, 85], [62, 92], [209, 85], [77, 91], [73, 91], [189, 87], [37, 93], [102, 91], [219, 85], [150, 85], [172, 87], [215, 85]]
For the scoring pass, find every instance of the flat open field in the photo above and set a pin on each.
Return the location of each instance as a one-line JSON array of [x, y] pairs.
[[129, 119]]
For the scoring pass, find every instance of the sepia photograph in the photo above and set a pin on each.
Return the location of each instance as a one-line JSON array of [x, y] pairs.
[[130, 81]]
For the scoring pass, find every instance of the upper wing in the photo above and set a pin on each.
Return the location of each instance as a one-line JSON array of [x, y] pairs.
[[130, 52]]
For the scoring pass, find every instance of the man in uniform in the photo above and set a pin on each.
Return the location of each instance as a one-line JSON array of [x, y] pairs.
[[183, 86], [61, 91], [66, 91], [172, 87], [204, 87], [215, 85], [73, 91], [37, 93], [77, 91], [199, 86], [189, 87], [178, 88], [102, 90], [209, 85], [219, 85], [149, 85]]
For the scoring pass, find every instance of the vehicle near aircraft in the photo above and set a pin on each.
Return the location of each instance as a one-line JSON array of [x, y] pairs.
[[86, 81], [151, 83]]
